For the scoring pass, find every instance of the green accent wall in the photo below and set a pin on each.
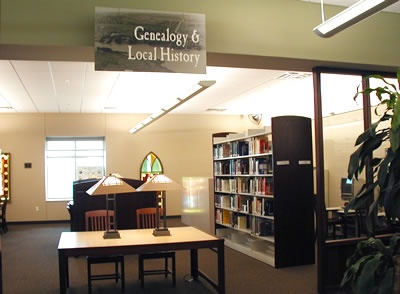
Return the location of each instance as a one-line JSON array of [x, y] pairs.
[[268, 28]]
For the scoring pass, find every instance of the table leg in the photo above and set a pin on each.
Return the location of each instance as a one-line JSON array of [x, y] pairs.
[[63, 272], [221, 267], [194, 264]]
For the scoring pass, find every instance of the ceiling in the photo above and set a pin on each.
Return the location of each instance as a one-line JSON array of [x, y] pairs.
[[75, 87]]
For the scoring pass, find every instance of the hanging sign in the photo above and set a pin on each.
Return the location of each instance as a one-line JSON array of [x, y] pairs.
[[148, 41]]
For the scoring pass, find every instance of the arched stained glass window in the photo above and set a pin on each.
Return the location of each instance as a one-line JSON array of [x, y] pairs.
[[151, 166]]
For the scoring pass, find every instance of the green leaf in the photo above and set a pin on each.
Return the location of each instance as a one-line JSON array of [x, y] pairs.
[[367, 134], [358, 159], [394, 244], [369, 277], [398, 76], [370, 269], [386, 284], [395, 134], [384, 168]]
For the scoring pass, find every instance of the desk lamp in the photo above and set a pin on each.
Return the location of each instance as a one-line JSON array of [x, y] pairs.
[[160, 183], [113, 185]]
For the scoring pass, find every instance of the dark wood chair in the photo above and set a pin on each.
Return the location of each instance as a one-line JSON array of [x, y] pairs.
[[334, 222], [96, 220], [146, 218], [3, 210], [127, 203]]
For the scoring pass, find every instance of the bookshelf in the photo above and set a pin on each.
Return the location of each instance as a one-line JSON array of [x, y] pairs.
[[263, 191]]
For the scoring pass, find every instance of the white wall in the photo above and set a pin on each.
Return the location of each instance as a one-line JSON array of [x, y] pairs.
[[183, 143], [338, 145]]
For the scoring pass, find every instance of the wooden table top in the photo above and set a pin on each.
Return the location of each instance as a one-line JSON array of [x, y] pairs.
[[94, 239]]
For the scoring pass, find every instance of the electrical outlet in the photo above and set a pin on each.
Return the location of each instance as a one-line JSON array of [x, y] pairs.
[[37, 208]]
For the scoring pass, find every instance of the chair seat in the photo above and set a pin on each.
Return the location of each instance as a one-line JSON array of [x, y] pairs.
[[332, 224], [104, 259], [161, 254], [107, 259], [165, 271]]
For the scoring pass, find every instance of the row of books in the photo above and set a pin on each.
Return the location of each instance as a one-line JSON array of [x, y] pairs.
[[231, 149], [222, 150], [258, 186], [246, 204], [247, 166], [257, 226], [260, 166], [262, 186], [255, 145], [232, 167], [239, 148], [260, 145], [262, 206], [223, 217], [231, 219]]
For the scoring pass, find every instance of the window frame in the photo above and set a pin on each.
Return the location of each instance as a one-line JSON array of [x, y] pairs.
[[148, 167], [75, 157]]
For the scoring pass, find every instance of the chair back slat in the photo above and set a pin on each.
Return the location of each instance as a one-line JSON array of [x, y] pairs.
[[96, 220], [146, 217], [3, 205]]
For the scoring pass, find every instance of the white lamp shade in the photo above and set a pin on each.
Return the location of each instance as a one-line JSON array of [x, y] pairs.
[[110, 185], [160, 183]]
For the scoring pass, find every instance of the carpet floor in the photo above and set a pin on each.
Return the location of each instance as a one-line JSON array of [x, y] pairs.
[[30, 265]]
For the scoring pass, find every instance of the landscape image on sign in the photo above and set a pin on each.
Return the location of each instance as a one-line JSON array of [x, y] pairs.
[[130, 40]]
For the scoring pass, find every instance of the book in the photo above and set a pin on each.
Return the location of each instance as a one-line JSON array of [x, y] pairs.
[[242, 222]]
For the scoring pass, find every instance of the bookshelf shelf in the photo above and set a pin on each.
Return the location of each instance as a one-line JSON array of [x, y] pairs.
[[263, 191]]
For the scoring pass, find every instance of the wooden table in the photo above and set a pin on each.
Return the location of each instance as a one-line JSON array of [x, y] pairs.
[[141, 241]]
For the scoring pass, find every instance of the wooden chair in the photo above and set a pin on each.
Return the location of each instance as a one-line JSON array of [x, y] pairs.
[[96, 220], [146, 218], [3, 209]]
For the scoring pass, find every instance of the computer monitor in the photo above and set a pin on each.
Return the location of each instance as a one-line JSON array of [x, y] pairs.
[[349, 188]]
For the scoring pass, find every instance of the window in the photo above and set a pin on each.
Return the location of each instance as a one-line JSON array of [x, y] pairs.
[[69, 159], [151, 166]]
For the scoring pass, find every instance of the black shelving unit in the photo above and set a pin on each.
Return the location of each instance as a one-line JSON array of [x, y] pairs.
[[263, 191]]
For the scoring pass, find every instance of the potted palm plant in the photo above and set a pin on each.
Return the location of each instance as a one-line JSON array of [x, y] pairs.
[[385, 170], [371, 268]]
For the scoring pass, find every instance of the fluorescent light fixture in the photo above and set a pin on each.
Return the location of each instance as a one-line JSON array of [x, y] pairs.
[[157, 113], [200, 87], [187, 92], [147, 120], [350, 16], [136, 128], [170, 105]]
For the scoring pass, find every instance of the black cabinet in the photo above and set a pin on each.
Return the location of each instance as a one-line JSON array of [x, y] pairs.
[[293, 191]]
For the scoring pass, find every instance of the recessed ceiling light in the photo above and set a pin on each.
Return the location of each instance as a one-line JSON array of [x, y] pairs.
[[294, 75], [216, 109]]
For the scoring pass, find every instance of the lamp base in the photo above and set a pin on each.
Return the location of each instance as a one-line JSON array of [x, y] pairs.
[[111, 235], [161, 232]]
